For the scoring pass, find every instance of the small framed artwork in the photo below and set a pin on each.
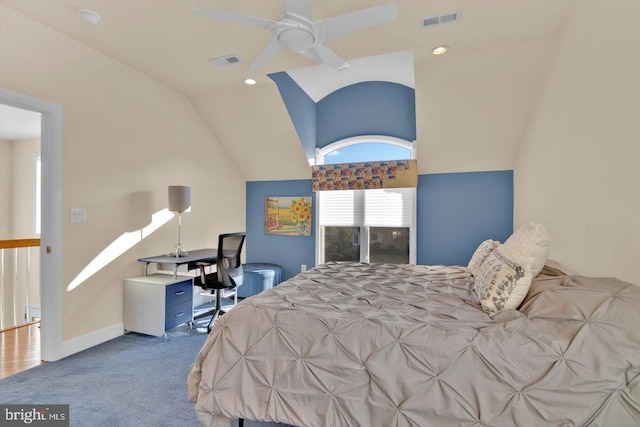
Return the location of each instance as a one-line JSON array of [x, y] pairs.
[[287, 216]]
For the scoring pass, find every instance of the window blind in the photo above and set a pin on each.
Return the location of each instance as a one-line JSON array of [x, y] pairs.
[[372, 208], [388, 208], [341, 207]]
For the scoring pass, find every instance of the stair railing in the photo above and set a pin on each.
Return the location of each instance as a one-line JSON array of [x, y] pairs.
[[16, 273]]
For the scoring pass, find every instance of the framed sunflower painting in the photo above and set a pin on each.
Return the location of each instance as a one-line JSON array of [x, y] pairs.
[[289, 216]]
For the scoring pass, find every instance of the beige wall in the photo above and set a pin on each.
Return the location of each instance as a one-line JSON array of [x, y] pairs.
[[6, 171], [126, 137], [472, 107], [23, 183], [578, 169]]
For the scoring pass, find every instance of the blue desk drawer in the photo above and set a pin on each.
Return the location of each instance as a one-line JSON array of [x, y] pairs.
[[178, 314], [178, 293]]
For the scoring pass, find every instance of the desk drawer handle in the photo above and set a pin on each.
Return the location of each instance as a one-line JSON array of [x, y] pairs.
[[179, 315], [179, 292]]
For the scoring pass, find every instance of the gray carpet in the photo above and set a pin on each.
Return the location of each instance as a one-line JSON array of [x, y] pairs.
[[133, 380]]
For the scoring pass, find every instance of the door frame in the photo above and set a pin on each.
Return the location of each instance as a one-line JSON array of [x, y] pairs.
[[51, 233]]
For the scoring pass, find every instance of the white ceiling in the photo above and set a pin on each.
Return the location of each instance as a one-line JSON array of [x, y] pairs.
[[168, 42], [394, 67]]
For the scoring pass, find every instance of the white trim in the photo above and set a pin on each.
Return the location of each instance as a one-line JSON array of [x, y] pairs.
[[51, 232], [366, 139], [37, 192], [365, 241], [342, 217], [413, 231], [412, 146], [319, 237], [91, 339]]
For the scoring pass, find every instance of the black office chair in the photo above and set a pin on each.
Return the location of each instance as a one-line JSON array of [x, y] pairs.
[[229, 274]]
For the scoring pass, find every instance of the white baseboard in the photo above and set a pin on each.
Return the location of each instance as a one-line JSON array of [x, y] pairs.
[[84, 342]]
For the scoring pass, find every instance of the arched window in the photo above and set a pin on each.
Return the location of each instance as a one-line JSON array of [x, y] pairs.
[[366, 225], [366, 148]]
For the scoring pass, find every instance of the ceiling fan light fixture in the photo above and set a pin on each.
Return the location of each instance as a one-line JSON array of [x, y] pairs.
[[296, 39], [89, 16], [296, 30], [440, 50]]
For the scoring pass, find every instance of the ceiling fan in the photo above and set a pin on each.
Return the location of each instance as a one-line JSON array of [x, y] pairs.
[[296, 30]]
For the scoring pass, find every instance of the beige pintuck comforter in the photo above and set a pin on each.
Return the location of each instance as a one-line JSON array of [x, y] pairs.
[[399, 345]]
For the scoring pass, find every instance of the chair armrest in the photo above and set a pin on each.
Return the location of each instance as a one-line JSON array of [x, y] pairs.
[[204, 263], [201, 266]]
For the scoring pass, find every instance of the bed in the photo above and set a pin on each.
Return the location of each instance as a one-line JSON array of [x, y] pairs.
[[385, 345]]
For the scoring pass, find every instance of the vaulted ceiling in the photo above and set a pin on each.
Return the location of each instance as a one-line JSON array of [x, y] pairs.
[[482, 90]]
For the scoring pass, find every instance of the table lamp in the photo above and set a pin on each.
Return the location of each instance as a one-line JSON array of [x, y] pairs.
[[179, 201]]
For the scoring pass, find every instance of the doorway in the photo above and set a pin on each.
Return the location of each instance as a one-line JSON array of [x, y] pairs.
[[51, 219], [19, 216]]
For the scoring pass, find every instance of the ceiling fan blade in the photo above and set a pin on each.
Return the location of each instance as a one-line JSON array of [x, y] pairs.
[[310, 53], [235, 17], [301, 8], [323, 54], [359, 20], [266, 54]]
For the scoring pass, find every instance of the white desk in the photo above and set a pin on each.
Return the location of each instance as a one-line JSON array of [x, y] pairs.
[[198, 255], [156, 303]]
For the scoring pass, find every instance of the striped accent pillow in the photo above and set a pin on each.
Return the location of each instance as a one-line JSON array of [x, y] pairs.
[[501, 283], [481, 253]]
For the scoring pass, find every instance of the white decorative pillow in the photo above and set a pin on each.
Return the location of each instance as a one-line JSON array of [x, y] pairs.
[[481, 253], [529, 244], [501, 283], [520, 291]]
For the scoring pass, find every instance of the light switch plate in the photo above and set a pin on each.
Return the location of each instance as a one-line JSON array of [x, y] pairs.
[[78, 216]]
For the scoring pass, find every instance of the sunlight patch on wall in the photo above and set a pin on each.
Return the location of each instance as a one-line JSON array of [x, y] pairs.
[[119, 246]]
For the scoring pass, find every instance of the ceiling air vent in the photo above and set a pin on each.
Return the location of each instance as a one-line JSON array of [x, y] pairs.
[[445, 18], [225, 60]]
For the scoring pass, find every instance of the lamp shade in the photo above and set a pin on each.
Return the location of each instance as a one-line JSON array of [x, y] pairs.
[[179, 198]]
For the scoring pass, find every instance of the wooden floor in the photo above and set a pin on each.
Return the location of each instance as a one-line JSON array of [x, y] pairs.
[[19, 349]]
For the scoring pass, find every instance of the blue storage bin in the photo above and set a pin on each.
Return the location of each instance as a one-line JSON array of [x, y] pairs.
[[258, 277]]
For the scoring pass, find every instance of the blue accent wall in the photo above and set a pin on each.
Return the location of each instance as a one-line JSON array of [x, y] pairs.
[[367, 108], [289, 252], [457, 211], [302, 110]]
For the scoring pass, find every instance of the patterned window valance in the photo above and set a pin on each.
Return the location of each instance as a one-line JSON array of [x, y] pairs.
[[365, 176]]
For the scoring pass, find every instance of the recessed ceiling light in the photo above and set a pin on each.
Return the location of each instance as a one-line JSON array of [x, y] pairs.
[[89, 16], [440, 50], [250, 81]]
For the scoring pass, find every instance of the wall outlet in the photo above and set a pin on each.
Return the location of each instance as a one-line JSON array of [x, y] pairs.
[[303, 268]]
